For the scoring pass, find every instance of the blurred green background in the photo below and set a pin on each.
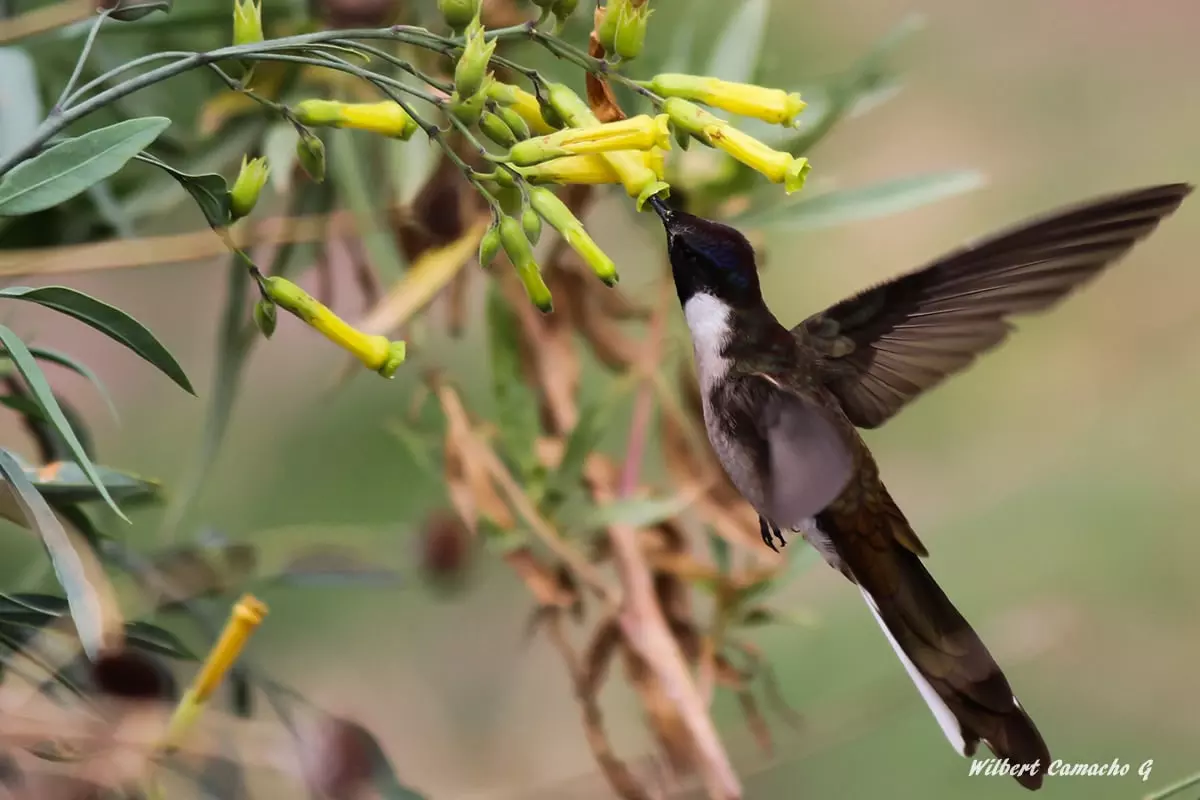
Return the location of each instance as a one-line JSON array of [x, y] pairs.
[[1054, 483]]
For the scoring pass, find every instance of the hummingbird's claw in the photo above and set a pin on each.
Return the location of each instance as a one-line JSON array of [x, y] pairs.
[[766, 529]]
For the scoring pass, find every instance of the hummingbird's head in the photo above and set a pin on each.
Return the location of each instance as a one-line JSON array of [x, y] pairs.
[[709, 258]]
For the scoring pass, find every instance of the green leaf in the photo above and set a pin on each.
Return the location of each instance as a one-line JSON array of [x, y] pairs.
[[721, 554], [109, 320], [584, 437], [516, 406], [36, 380], [735, 57], [853, 205], [66, 482], [68, 168], [353, 179], [638, 513], [20, 101], [210, 191], [153, 639], [64, 360], [133, 10], [91, 602], [333, 565]]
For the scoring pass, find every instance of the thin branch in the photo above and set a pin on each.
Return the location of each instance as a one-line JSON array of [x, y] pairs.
[[641, 617]]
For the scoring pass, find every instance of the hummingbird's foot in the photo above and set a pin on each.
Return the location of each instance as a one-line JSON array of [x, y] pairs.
[[766, 529]]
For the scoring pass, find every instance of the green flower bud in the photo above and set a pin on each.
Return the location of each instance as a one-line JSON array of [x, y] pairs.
[[473, 63], [515, 122], [631, 31], [247, 21], [458, 13], [495, 129], [510, 198], [545, 5], [133, 10], [489, 245], [606, 32], [467, 111], [310, 154], [564, 8], [555, 212], [532, 224], [520, 253], [251, 179], [265, 317]]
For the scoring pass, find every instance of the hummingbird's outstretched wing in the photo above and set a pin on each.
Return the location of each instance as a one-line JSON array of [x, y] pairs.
[[886, 345]]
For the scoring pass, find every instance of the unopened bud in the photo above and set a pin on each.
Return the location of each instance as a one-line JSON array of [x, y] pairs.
[[133, 10], [467, 111], [251, 179], [247, 22], [515, 122], [532, 224], [494, 128], [458, 13], [310, 154], [520, 253], [631, 31], [265, 317], [522, 102], [489, 245], [636, 133], [473, 63], [606, 31]]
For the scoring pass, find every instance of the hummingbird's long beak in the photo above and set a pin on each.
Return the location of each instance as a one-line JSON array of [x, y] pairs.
[[664, 211]]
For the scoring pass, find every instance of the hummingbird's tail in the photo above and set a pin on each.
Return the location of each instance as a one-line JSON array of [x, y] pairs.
[[955, 674]]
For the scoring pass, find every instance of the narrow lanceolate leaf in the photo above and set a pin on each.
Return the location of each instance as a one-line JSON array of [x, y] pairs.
[[64, 360], [735, 57], [40, 389], [66, 482], [71, 166], [210, 191], [867, 202], [638, 513], [109, 320], [90, 596], [19, 99]]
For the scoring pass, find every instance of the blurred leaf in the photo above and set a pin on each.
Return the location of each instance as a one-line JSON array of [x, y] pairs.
[[429, 274], [19, 99], [516, 405], [852, 205], [71, 166], [682, 56], [638, 513], [720, 552], [334, 565], [36, 380], [90, 597], [735, 57], [279, 149], [66, 482], [153, 639], [353, 179], [64, 360], [133, 10], [592, 422], [210, 191], [109, 320]]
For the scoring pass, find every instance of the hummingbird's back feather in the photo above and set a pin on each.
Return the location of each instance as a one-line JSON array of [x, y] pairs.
[[885, 346]]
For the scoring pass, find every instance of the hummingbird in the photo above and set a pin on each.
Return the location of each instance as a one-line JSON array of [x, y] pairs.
[[782, 409]]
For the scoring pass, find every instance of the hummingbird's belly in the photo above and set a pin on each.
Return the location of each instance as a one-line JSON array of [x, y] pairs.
[[738, 461]]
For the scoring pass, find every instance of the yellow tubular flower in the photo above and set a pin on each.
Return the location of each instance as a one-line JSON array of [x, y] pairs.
[[555, 212], [523, 103], [375, 352], [639, 180], [746, 100], [777, 166], [589, 170], [386, 117], [247, 615], [636, 133]]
